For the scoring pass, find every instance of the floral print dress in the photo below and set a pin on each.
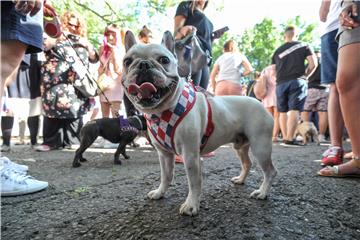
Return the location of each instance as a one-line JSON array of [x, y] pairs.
[[59, 97]]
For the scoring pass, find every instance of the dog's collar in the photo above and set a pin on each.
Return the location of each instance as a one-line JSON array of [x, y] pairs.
[[125, 126], [163, 126]]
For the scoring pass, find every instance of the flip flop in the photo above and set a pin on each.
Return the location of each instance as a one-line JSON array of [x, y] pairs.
[[333, 171]]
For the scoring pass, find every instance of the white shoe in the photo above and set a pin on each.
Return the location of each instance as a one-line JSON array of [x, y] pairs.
[[7, 163], [14, 183], [322, 138]]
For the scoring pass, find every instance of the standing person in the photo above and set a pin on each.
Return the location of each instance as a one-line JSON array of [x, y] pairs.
[[110, 65], [145, 35], [348, 84], [291, 85], [329, 13], [190, 17], [317, 101], [265, 89], [24, 35], [63, 105], [227, 70]]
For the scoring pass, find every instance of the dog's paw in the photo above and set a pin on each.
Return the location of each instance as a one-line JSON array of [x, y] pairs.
[[190, 209], [155, 194], [258, 194], [83, 160], [126, 156], [238, 180]]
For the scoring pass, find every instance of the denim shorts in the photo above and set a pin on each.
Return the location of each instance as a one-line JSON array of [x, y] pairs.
[[291, 95], [20, 27], [329, 57]]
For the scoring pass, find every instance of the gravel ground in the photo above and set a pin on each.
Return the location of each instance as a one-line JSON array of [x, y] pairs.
[[103, 201]]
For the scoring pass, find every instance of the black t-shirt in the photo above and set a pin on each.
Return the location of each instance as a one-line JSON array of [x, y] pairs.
[[315, 79], [199, 20], [290, 60]]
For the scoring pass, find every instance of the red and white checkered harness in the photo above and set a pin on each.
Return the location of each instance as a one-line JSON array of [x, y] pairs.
[[163, 126]]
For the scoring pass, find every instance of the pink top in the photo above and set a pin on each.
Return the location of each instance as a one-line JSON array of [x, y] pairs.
[[269, 74]]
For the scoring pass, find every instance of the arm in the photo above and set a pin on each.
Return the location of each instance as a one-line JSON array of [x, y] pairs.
[[324, 9], [311, 66], [213, 74], [248, 68], [180, 30]]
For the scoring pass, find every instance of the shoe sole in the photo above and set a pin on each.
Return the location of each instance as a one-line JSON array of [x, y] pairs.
[[23, 192]]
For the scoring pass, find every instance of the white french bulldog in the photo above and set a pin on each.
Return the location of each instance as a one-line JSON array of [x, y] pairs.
[[185, 122]]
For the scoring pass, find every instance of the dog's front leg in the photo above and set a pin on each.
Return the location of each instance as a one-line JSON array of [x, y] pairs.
[[167, 172], [194, 173]]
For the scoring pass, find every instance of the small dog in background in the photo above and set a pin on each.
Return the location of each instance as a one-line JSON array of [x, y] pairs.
[[115, 130], [307, 131]]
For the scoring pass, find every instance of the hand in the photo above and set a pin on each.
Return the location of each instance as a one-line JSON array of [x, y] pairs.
[[345, 18], [49, 11], [185, 30], [25, 7]]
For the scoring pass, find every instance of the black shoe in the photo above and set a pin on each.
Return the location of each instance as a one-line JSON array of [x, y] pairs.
[[292, 143]]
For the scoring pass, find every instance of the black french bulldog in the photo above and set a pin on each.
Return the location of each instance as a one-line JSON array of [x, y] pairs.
[[115, 130]]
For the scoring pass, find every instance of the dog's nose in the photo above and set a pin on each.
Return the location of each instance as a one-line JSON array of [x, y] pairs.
[[144, 65]]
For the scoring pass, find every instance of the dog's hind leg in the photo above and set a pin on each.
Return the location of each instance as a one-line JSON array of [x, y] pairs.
[[86, 141], [167, 164], [243, 154], [261, 147]]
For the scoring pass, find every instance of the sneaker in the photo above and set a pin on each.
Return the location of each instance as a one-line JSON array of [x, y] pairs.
[[292, 143], [7, 163], [14, 183], [332, 156], [42, 148], [322, 138], [5, 148]]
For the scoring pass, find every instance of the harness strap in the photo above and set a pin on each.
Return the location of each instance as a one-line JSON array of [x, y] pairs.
[[209, 127]]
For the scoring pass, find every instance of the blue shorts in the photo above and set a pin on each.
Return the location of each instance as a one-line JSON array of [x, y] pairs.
[[20, 27], [291, 95], [329, 57]]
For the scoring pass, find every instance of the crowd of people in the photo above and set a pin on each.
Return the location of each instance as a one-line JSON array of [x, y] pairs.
[[41, 70]]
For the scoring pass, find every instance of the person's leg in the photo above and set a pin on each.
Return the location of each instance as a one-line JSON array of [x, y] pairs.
[[33, 125], [323, 122], [115, 109], [12, 53], [336, 122], [72, 129], [305, 116], [292, 121], [22, 128], [105, 109], [52, 132], [276, 129], [348, 84], [7, 124], [283, 124]]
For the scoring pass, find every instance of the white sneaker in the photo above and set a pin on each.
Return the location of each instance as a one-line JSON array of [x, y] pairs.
[[14, 183], [7, 163], [322, 138]]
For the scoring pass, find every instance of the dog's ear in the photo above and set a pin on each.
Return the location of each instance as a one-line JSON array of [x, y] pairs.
[[130, 40], [169, 42]]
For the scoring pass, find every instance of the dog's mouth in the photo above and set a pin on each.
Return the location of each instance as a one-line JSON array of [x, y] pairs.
[[147, 94]]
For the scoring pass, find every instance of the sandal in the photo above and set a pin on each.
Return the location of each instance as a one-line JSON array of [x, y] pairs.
[[348, 169]]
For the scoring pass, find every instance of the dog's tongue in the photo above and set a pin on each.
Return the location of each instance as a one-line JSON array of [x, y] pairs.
[[143, 91]]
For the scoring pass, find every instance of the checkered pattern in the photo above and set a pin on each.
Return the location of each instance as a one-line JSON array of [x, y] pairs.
[[163, 126]]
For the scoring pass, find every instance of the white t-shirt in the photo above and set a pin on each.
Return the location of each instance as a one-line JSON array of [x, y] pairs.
[[332, 19], [229, 66]]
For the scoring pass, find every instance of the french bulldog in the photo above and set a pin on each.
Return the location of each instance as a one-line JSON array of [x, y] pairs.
[[152, 83], [307, 131], [115, 130]]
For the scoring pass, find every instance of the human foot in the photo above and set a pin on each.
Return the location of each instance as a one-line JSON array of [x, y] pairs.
[[348, 169]]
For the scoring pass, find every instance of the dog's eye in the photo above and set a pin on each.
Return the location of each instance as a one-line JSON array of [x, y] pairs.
[[164, 60], [127, 62]]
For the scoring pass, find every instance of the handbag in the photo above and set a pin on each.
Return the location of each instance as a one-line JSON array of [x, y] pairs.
[[191, 56], [103, 81]]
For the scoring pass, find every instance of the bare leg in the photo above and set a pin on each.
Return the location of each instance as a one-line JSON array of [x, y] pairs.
[[291, 124], [323, 122], [276, 129], [305, 116], [336, 122], [348, 83], [105, 109], [115, 108], [283, 121]]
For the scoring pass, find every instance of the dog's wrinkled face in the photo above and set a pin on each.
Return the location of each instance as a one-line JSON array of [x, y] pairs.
[[150, 72]]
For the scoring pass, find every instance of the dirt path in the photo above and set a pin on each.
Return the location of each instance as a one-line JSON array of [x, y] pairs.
[[103, 201]]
